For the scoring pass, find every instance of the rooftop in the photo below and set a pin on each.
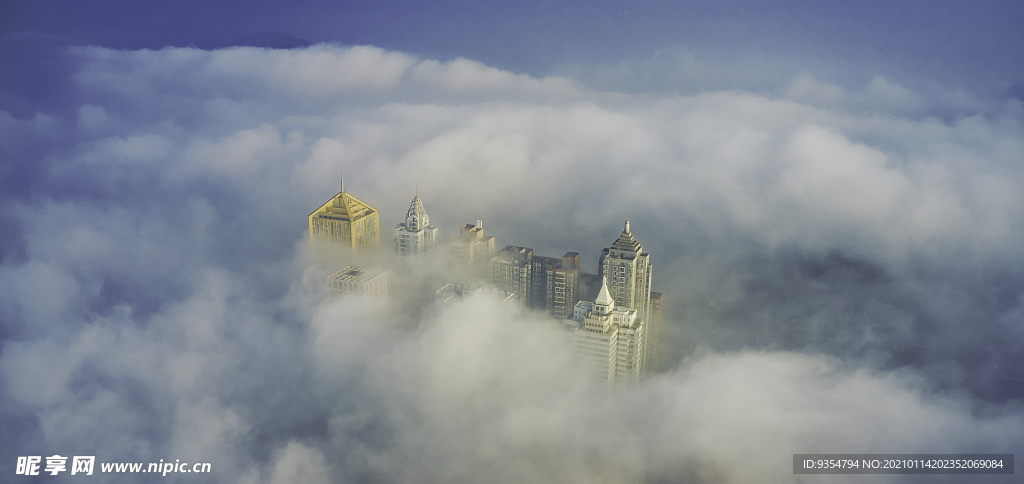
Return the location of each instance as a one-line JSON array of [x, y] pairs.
[[355, 274]]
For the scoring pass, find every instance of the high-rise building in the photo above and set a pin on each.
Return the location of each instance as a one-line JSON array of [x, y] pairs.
[[415, 235], [345, 221], [359, 280], [654, 330], [546, 283], [562, 286], [510, 271], [627, 268], [539, 280], [607, 339], [472, 245]]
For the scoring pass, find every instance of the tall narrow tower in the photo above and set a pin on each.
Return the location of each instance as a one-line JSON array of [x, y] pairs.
[[628, 270], [345, 221], [415, 235]]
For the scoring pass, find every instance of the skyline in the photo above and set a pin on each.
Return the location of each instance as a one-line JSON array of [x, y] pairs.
[[830, 193]]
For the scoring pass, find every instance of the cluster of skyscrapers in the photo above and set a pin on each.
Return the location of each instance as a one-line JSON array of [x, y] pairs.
[[614, 316]]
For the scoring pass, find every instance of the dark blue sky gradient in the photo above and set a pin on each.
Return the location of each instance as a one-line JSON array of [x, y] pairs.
[[975, 45]]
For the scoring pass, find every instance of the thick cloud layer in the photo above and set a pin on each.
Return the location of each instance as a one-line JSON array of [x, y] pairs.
[[843, 272]]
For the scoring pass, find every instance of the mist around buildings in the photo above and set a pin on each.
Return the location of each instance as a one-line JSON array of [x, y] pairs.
[[838, 277]]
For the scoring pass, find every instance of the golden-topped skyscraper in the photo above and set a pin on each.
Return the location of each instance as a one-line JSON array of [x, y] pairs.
[[345, 221]]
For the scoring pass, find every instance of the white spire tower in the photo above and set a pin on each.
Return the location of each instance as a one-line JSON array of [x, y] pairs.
[[604, 303], [608, 340]]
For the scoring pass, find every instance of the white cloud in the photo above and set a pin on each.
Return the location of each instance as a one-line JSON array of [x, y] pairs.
[[893, 97], [806, 89], [238, 154], [299, 463], [317, 69], [466, 76]]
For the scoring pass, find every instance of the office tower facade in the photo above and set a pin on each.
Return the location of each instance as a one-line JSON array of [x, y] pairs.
[[546, 283], [359, 280], [539, 280], [608, 340], [654, 331], [562, 286], [345, 221], [510, 272], [627, 269], [415, 235], [472, 246]]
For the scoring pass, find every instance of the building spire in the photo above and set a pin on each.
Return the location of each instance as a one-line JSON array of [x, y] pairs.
[[416, 218], [627, 225], [417, 190], [604, 298], [342, 182]]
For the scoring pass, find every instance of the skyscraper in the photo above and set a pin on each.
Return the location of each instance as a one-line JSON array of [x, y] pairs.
[[608, 340], [415, 235], [472, 245], [562, 286], [654, 331], [510, 272], [627, 268], [345, 221], [546, 283], [539, 283]]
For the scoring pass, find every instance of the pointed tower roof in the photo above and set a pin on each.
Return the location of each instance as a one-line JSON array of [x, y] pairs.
[[416, 218], [626, 241], [350, 207], [604, 298], [344, 206]]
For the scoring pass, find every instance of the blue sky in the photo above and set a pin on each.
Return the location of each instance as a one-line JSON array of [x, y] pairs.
[[976, 45], [830, 193]]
